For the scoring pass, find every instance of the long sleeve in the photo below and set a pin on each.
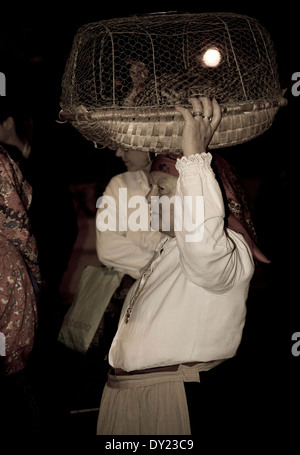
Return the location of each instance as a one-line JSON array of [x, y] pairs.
[[125, 250], [211, 255]]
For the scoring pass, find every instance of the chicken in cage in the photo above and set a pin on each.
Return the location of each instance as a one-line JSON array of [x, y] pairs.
[[124, 77]]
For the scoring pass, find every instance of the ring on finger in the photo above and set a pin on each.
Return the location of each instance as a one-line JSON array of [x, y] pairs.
[[208, 118], [197, 114]]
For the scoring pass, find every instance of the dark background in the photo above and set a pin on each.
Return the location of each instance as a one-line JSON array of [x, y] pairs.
[[34, 45]]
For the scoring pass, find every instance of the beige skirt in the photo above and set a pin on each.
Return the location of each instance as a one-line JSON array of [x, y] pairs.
[[148, 404]]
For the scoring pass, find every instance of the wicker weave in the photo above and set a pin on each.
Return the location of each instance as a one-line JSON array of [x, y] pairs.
[[124, 77]]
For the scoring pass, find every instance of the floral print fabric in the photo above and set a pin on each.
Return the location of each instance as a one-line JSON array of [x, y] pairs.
[[18, 267], [18, 312]]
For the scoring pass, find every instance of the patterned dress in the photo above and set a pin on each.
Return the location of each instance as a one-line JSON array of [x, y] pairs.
[[19, 270]]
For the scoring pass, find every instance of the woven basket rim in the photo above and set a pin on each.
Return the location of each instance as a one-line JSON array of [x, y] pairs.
[[126, 113]]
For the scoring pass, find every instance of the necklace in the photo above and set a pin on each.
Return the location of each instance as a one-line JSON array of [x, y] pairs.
[[142, 281]]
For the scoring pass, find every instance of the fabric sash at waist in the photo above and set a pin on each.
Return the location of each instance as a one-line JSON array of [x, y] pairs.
[[175, 373]]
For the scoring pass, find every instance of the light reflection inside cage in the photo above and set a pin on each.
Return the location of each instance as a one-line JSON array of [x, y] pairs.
[[211, 57]]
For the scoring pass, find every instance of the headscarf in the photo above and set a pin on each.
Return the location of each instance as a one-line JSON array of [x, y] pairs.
[[15, 200], [165, 162], [238, 217]]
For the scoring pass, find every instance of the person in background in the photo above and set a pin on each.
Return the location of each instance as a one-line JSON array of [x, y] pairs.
[[16, 130], [183, 318], [23, 139], [20, 283], [53, 222], [125, 251]]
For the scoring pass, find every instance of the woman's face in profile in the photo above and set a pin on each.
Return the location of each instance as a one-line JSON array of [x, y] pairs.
[[163, 186]]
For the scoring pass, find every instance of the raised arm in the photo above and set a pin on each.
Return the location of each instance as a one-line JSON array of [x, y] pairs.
[[212, 256]]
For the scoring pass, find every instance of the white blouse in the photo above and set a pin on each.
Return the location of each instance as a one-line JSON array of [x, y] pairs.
[[190, 301], [126, 250]]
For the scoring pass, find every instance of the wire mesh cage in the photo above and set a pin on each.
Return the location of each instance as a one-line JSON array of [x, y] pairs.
[[124, 77]]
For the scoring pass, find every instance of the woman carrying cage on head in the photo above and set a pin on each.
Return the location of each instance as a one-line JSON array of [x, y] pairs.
[[200, 285]]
